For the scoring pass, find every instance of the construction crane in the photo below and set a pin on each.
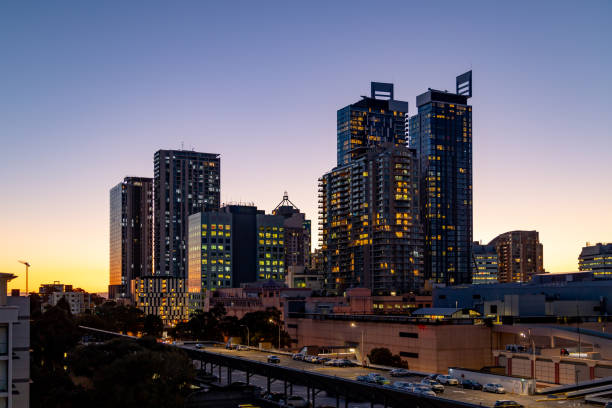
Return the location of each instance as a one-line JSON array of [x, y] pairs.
[[27, 265]]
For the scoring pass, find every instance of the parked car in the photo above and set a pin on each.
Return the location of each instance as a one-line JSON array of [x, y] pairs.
[[298, 356], [199, 346], [230, 346], [507, 404], [399, 372], [434, 385], [274, 396], [363, 378], [297, 401], [274, 359], [424, 390], [322, 360], [242, 348], [472, 385], [403, 385], [447, 380], [494, 388], [378, 379], [347, 363]]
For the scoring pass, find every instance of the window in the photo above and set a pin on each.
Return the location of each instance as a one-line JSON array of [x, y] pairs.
[[409, 354], [409, 335]]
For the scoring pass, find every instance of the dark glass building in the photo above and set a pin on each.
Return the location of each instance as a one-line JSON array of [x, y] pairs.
[[441, 134], [131, 225], [185, 183], [371, 122]]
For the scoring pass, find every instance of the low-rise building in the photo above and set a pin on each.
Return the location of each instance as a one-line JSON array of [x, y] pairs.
[[14, 347], [79, 302], [484, 264], [597, 259], [162, 296]]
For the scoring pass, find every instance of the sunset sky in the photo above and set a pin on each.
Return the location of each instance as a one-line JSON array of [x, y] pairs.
[[90, 90]]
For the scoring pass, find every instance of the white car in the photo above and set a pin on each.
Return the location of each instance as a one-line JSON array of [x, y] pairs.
[[495, 388], [447, 380]]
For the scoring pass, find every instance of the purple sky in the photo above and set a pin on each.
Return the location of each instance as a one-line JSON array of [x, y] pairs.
[[91, 90]]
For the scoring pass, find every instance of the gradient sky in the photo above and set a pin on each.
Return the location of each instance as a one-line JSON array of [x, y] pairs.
[[90, 90]]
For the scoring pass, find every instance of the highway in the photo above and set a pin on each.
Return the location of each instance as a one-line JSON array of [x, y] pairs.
[[450, 392]]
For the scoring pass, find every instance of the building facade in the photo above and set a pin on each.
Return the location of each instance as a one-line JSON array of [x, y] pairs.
[[14, 347], [370, 122], [163, 296], [131, 234], [484, 263], [79, 302], [520, 255], [185, 183], [441, 134], [297, 234], [369, 222], [597, 259]]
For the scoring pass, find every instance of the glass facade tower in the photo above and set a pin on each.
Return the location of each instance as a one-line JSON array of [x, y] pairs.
[[131, 224], [441, 134], [185, 183]]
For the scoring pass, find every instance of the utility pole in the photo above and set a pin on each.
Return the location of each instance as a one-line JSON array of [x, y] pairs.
[[248, 334], [27, 266]]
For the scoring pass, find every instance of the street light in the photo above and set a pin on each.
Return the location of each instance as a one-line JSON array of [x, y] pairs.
[[533, 350], [279, 331], [248, 334], [27, 265], [361, 346]]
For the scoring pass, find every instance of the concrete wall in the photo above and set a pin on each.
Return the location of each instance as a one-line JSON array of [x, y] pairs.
[[425, 347], [514, 385]]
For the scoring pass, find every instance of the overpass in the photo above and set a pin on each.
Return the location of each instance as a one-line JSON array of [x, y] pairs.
[[347, 389]]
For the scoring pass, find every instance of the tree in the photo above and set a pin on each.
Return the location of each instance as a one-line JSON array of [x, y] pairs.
[[153, 326], [383, 356]]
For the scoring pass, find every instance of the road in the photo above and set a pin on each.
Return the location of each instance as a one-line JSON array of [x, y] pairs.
[[450, 392]]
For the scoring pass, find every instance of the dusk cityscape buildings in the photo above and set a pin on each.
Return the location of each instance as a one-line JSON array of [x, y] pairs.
[[597, 259], [185, 182], [131, 234], [520, 255], [441, 134]]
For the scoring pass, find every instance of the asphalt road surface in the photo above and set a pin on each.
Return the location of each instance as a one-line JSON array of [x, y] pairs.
[[451, 392]]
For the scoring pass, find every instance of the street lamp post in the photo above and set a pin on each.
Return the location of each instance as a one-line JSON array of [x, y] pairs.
[[279, 332], [533, 354], [248, 334], [361, 346]]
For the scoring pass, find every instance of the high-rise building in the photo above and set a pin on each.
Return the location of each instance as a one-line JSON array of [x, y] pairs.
[[597, 259], [369, 222], [370, 122], [441, 134], [234, 245], [131, 234], [520, 255], [297, 234], [210, 251], [185, 183], [484, 263]]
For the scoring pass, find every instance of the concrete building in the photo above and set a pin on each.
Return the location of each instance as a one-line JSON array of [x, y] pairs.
[[597, 259], [185, 183], [520, 255], [441, 134], [163, 296], [14, 347], [552, 295], [131, 234], [79, 302], [300, 277], [484, 263]]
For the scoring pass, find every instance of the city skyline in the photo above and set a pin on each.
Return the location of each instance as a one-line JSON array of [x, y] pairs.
[[101, 116]]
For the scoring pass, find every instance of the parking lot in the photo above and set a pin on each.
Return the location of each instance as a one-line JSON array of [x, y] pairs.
[[450, 392]]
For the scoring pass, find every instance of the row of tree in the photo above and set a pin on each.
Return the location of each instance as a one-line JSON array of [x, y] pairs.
[[216, 325]]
